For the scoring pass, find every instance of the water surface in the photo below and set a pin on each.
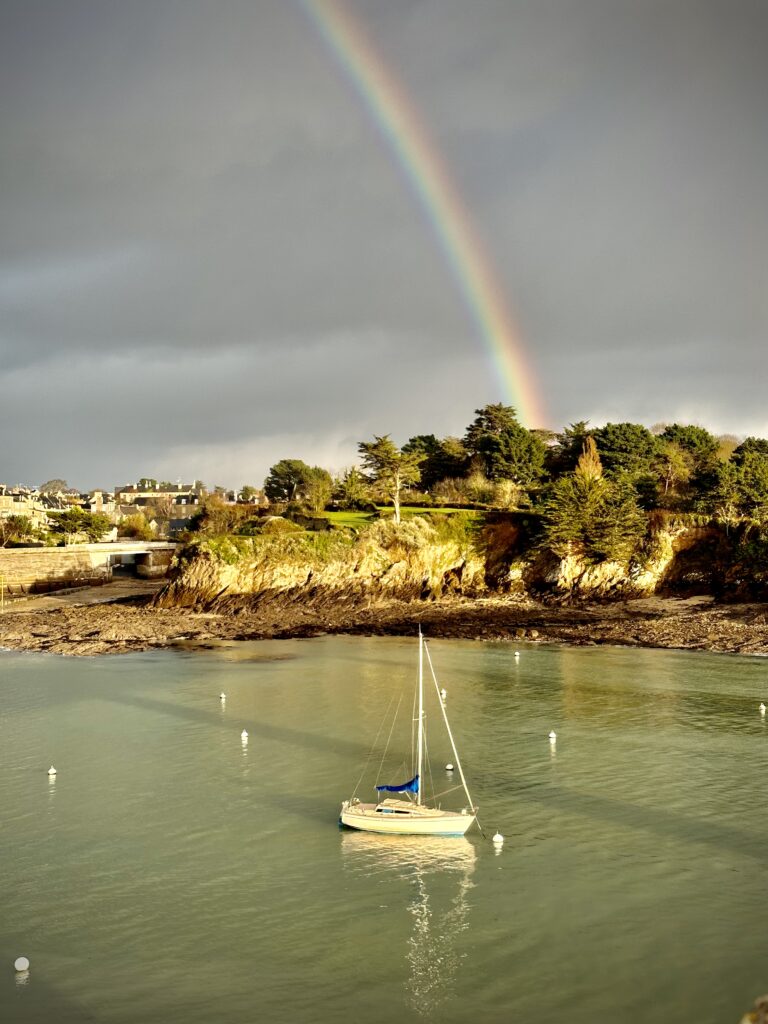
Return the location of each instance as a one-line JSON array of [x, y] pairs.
[[170, 874]]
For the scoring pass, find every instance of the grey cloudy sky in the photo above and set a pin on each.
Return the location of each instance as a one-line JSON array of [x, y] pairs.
[[209, 259]]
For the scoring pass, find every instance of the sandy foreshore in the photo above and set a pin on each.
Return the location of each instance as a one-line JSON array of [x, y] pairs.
[[122, 620]]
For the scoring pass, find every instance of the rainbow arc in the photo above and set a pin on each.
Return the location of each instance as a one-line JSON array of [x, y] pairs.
[[420, 161]]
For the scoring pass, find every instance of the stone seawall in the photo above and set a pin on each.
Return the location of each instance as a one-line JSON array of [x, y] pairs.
[[39, 570]]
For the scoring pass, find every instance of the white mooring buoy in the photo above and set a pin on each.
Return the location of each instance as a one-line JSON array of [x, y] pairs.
[[449, 767], [51, 770], [21, 964], [498, 839], [517, 654], [443, 694], [762, 709], [222, 697], [552, 736]]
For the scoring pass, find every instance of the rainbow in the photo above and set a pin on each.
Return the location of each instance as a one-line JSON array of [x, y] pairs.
[[429, 179]]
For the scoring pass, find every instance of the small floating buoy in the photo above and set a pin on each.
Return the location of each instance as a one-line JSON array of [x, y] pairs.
[[449, 767], [51, 770], [762, 709], [21, 964], [244, 737], [552, 736], [498, 839], [443, 694], [517, 654], [222, 697]]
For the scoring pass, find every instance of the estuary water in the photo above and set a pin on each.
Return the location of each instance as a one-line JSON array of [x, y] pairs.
[[172, 874]]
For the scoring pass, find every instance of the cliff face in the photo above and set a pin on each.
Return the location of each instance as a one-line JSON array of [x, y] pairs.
[[412, 561], [677, 560], [422, 560]]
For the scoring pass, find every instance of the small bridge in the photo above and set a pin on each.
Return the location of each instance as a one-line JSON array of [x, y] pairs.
[[42, 570]]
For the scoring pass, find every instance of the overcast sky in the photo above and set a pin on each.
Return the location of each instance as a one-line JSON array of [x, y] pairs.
[[209, 259]]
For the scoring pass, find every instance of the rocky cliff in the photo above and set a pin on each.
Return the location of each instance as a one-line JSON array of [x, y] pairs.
[[416, 560], [427, 559]]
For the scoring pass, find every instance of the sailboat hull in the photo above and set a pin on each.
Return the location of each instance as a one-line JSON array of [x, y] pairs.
[[396, 817]]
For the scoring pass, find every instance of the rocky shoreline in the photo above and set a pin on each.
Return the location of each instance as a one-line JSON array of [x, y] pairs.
[[132, 623]]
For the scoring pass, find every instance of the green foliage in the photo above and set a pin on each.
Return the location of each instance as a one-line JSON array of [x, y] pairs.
[[411, 534], [293, 480], [738, 490], [318, 486], [752, 550], [563, 456], [503, 448], [351, 491], [75, 521], [696, 441], [752, 482], [674, 465], [218, 517], [284, 479], [275, 526], [460, 528], [587, 512], [628, 448], [292, 546], [15, 530], [229, 550], [136, 526], [389, 469], [442, 458], [750, 449]]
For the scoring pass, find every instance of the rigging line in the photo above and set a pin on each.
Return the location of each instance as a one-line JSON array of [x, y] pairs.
[[428, 763], [373, 746], [444, 792], [447, 726], [413, 734], [389, 738]]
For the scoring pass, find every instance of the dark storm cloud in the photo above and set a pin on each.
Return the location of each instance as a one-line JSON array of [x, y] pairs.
[[206, 250]]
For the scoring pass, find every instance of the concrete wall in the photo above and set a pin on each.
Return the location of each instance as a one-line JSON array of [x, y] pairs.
[[38, 570]]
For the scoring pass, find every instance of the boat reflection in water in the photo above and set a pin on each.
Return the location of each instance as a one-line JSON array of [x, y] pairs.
[[439, 871]]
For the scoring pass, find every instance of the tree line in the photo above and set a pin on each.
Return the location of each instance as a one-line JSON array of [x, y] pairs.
[[590, 486]]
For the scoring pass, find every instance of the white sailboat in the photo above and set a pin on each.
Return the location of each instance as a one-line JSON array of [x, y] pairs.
[[412, 816]]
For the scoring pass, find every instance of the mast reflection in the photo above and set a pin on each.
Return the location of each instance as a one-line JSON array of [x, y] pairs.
[[439, 871]]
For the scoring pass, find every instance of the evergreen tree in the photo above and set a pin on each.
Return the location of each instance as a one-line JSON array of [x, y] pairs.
[[626, 448], [390, 469], [443, 459], [503, 448], [564, 455], [587, 512], [294, 480]]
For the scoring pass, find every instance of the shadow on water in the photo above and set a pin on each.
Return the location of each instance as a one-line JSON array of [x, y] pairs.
[[652, 820], [276, 733]]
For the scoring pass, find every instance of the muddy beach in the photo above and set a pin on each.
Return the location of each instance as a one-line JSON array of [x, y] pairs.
[[104, 621]]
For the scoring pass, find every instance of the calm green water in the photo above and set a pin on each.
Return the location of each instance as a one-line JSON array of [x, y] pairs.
[[169, 874]]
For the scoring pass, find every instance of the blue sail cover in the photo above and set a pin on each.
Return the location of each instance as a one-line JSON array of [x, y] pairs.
[[406, 787]]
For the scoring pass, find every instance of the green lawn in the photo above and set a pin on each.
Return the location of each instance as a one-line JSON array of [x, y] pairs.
[[351, 520], [357, 520]]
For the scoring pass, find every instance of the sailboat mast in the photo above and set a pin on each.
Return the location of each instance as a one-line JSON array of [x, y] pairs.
[[420, 740]]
